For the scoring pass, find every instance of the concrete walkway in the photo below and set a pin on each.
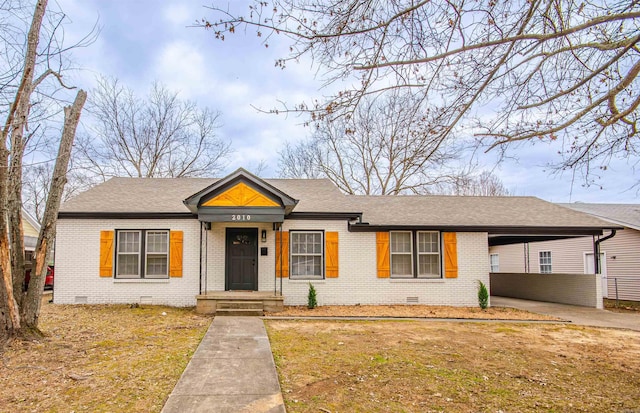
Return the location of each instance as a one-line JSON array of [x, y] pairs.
[[578, 315], [232, 370]]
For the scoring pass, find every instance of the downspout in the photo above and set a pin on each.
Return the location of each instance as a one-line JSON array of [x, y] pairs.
[[200, 258], [596, 250]]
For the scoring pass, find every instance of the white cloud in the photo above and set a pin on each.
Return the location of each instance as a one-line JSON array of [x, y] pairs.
[[182, 68], [178, 14]]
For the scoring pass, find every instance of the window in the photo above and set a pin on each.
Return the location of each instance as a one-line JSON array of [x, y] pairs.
[[415, 254], [428, 254], [494, 260], [142, 254], [306, 254], [401, 254], [545, 262]]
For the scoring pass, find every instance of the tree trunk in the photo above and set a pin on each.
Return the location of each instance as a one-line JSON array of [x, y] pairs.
[[15, 124], [31, 303]]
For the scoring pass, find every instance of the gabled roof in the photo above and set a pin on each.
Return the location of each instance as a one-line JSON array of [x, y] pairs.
[[165, 195], [627, 215]]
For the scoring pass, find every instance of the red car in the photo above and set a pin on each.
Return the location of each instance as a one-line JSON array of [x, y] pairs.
[[48, 279]]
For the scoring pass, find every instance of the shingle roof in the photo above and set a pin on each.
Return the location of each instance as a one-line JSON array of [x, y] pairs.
[[621, 214], [470, 211], [165, 195]]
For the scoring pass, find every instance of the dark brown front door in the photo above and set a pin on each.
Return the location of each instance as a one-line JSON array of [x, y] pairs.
[[242, 259]]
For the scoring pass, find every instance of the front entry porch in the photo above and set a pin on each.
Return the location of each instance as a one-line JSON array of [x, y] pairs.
[[253, 303]]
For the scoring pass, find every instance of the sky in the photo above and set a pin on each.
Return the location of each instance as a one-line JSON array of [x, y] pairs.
[[142, 41]]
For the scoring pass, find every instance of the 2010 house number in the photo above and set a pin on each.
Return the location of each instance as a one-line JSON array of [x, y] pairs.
[[241, 217]]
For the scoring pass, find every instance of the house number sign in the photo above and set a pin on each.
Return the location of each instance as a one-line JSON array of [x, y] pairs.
[[240, 217]]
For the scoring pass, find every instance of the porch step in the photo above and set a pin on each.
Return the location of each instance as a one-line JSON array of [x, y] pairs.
[[240, 308], [240, 305]]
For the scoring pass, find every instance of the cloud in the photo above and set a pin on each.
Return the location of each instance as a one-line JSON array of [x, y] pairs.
[[182, 68]]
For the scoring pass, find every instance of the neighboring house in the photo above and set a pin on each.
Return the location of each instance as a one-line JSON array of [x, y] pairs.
[[169, 241], [31, 230], [619, 255]]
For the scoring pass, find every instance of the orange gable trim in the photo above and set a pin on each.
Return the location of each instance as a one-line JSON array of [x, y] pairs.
[[241, 195]]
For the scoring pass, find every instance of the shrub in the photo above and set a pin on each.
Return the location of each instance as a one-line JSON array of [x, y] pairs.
[[312, 301], [483, 295]]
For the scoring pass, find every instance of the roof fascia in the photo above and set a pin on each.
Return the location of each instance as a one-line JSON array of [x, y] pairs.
[[498, 230]]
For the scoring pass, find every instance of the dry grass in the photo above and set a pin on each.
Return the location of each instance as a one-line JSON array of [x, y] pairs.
[[409, 366], [100, 359], [622, 306], [412, 311]]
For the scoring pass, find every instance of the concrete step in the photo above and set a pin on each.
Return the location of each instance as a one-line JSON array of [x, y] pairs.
[[240, 304], [239, 312]]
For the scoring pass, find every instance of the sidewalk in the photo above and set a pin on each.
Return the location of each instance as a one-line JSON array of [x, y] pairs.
[[578, 315], [232, 370]]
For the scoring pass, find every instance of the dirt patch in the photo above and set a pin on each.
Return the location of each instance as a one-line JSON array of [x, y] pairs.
[[411, 311], [100, 358], [622, 306], [339, 366]]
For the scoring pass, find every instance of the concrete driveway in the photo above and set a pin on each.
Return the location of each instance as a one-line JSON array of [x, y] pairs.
[[578, 315]]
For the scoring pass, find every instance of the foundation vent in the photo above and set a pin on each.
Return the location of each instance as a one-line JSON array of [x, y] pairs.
[[412, 300], [81, 299], [146, 299]]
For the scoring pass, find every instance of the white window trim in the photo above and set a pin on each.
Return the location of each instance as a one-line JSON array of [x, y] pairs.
[[147, 253], [437, 254], [497, 263], [142, 255], [293, 276], [391, 254], [541, 264], [118, 254]]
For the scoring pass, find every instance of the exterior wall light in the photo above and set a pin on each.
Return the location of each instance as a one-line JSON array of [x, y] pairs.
[[264, 235]]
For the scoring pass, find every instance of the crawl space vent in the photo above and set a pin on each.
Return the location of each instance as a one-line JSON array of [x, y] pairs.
[[145, 299], [81, 299], [412, 300]]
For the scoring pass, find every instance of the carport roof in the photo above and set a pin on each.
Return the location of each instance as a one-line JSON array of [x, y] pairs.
[[627, 215]]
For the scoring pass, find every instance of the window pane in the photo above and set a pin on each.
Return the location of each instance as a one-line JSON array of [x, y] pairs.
[[129, 241], [428, 242], [306, 265], [156, 265], [128, 265], [400, 242], [401, 264], [429, 265], [157, 242]]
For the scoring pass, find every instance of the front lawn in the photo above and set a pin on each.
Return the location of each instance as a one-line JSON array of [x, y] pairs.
[[100, 358], [389, 366]]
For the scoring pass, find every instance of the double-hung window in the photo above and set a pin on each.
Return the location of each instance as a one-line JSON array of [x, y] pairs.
[[545, 262], [415, 254], [306, 254], [142, 254]]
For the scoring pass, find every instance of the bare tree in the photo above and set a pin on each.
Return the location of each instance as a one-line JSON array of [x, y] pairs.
[[387, 147], [514, 70], [484, 184], [19, 312], [158, 136]]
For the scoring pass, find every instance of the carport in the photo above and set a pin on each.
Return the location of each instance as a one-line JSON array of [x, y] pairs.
[[564, 288]]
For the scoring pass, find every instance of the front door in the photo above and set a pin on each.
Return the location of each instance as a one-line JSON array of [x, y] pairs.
[[242, 259]]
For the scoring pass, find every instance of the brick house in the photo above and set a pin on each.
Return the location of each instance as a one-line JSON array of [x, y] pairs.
[[202, 240]]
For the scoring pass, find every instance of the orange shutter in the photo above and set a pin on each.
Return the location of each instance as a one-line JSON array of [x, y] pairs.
[[175, 253], [450, 255], [382, 254], [106, 253], [282, 254], [331, 254]]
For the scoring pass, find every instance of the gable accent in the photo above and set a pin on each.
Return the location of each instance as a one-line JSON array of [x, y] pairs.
[[450, 254], [241, 195]]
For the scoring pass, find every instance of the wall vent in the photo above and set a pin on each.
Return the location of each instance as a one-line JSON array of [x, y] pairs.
[[146, 299], [81, 299], [412, 300]]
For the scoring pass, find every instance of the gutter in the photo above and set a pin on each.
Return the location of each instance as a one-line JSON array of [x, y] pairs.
[[596, 250]]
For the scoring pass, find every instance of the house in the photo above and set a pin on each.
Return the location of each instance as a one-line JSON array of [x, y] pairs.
[[31, 230], [619, 261], [202, 241]]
